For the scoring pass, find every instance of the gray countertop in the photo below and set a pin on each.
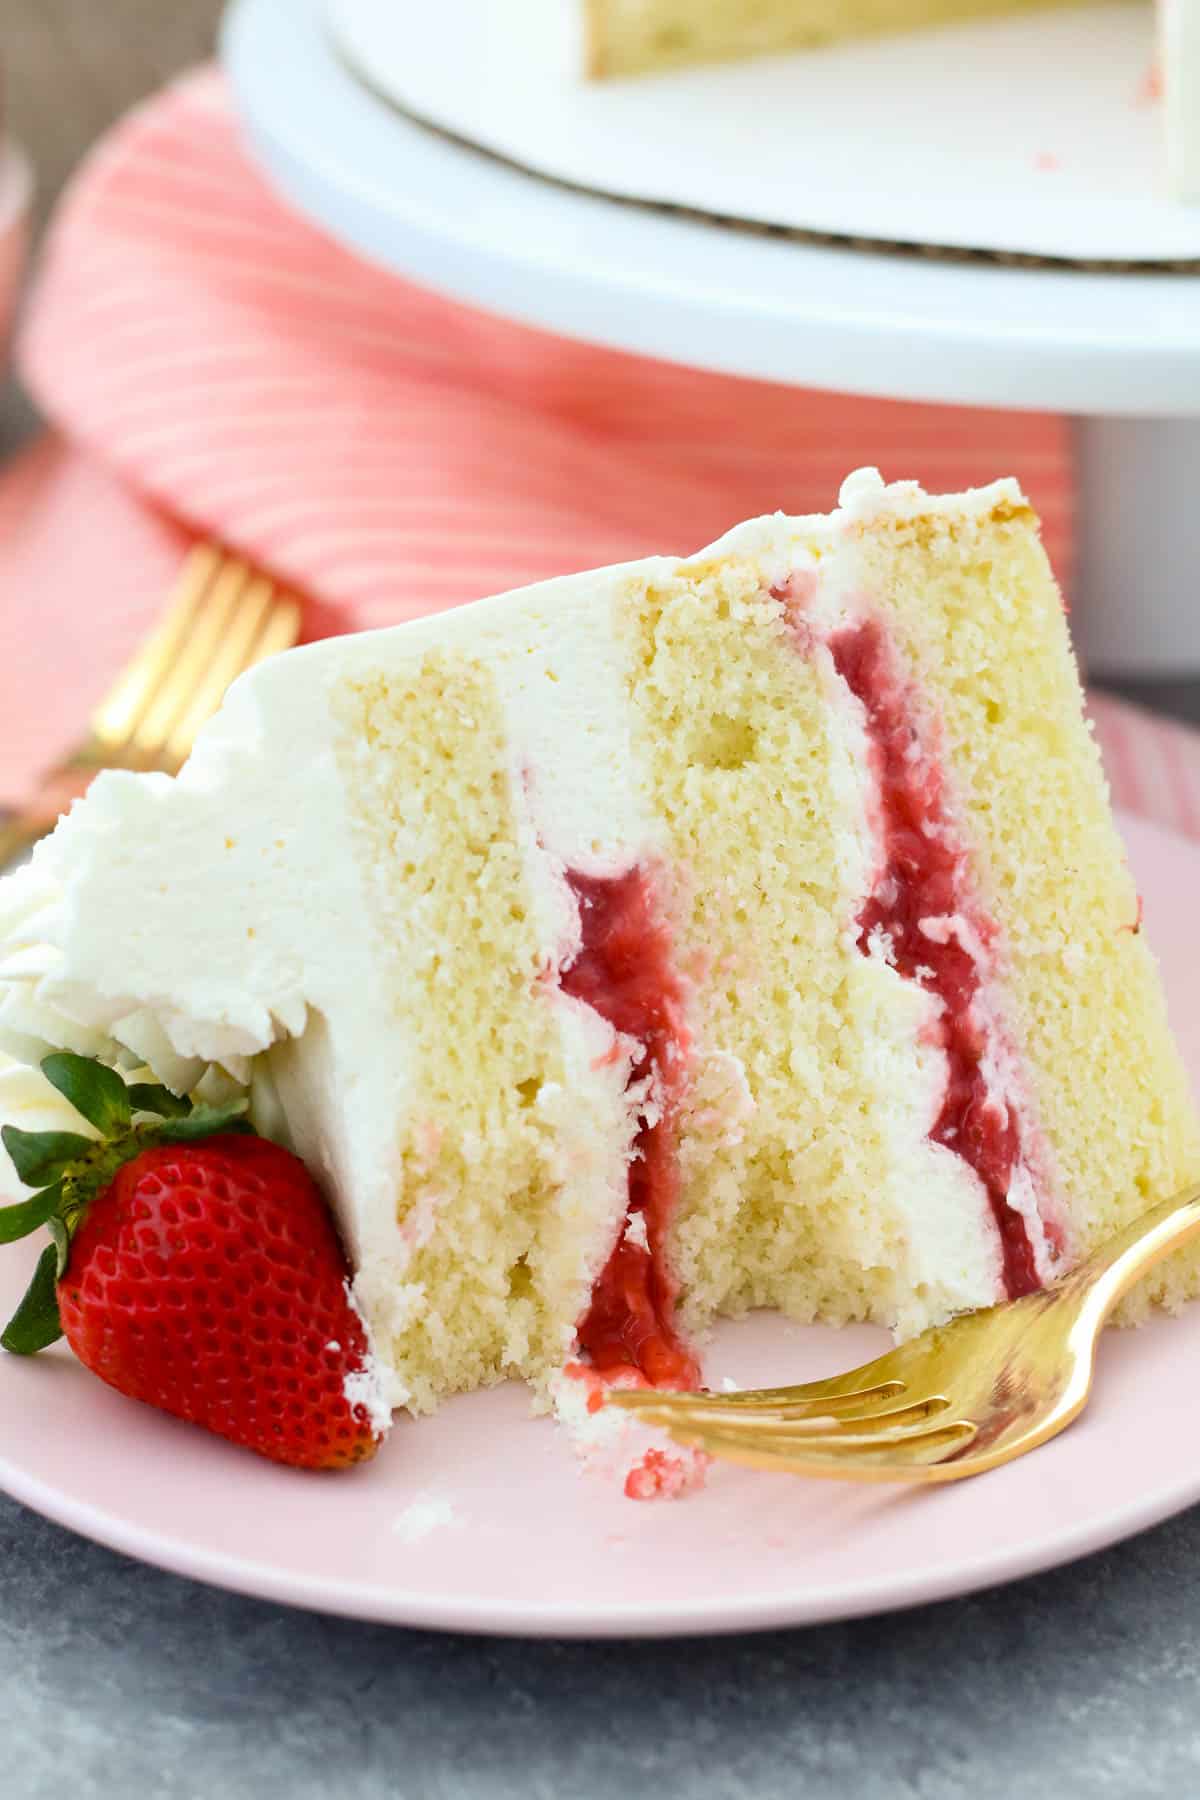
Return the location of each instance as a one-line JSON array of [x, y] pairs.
[[118, 1680]]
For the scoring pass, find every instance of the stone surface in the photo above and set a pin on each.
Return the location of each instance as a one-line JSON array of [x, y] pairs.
[[116, 1679]]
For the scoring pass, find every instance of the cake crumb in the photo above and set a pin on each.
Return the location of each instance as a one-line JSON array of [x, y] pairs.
[[660, 1476], [427, 1514], [1150, 88]]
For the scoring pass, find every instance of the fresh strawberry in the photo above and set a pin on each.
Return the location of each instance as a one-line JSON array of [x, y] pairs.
[[194, 1266]]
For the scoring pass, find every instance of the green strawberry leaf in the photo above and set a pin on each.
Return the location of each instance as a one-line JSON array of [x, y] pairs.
[[19, 1220], [146, 1097], [36, 1322], [202, 1122], [72, 1169], [93, 1090], [42, 1156], [59, 1231]]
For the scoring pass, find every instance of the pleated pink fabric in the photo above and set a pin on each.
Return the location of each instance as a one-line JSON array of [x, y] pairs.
[[397, 453], [216, 366]]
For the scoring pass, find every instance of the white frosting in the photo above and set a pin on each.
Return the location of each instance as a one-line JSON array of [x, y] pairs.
[[953, 1252], [865, 495], [781, 542], [370, 1385], [1008, 1095]]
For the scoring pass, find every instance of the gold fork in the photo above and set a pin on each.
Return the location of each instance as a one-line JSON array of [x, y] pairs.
[[962, 1398], [221, 617]]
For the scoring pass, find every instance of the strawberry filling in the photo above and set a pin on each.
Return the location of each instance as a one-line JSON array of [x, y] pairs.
[[922, 913], [625, 971]]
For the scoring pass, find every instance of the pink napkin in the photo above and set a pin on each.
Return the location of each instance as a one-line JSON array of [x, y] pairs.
[[216, 366]]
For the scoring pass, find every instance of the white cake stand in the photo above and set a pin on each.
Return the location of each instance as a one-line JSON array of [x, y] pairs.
[[1120, 353]]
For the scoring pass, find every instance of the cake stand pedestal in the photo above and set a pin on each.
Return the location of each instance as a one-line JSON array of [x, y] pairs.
[[1120, 353]]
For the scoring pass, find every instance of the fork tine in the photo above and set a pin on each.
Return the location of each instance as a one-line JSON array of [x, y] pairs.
[[116, 718], [910, 1455], [903, 1441], [790, 1420], [236, 650], [281, 631], [193, 654], [220, 618], [775, 1403], [882, 1372]]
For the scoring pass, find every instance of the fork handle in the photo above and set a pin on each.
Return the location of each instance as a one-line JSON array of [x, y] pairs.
[[19, 832], [1121, 1260]]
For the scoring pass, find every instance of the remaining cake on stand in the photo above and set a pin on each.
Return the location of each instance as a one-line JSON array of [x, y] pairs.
[[684, 937], [631, 37]]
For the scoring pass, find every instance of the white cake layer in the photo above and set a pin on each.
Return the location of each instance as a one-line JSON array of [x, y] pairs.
[[222, 917]]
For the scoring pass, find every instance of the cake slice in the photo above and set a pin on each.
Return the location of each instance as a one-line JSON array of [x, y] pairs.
[[666, 941]]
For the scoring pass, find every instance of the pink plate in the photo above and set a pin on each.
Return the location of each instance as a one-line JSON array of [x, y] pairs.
[[480, 1519]]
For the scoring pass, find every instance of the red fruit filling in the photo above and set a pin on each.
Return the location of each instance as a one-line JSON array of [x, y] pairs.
[[924, 878], [625, 971], [661, 1476]]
